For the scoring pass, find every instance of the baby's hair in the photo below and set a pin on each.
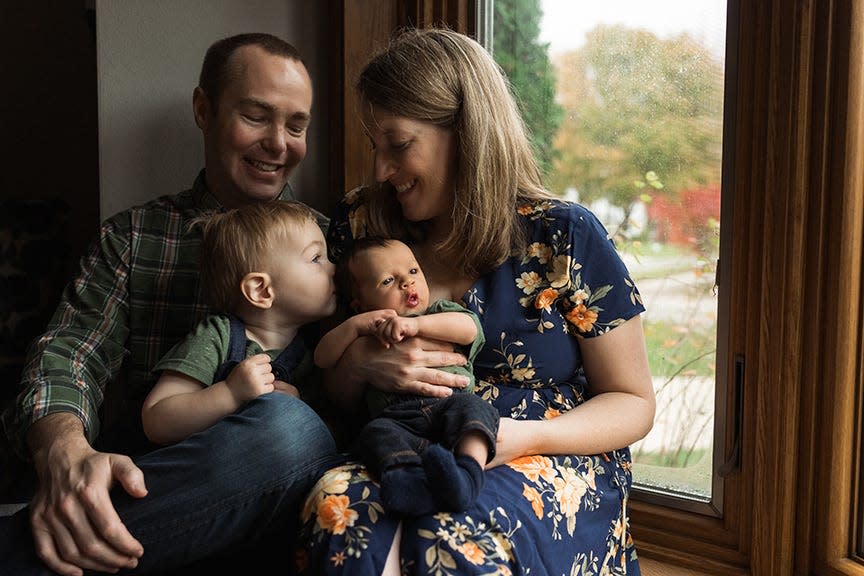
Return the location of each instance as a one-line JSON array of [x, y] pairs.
[[238, 241]]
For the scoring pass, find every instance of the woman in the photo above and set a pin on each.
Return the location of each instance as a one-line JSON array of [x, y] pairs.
[[564, 361]]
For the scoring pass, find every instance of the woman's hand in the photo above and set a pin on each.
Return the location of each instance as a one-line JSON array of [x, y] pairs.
[[411, 367], [407, 367], [515, 439]]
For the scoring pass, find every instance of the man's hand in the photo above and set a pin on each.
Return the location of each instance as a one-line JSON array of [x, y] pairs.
[[286, 388], [75, 526]]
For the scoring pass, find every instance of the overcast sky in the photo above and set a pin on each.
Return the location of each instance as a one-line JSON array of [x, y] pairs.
[[565, 22]]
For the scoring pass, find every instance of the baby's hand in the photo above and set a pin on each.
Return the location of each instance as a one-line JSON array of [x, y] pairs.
[[369, 323], [397, 329]]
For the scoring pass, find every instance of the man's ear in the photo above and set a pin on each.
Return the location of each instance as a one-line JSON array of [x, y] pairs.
[[200, 107], [257, 288]]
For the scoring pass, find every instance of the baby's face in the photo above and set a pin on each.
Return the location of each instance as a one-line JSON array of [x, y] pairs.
[[389, 277]]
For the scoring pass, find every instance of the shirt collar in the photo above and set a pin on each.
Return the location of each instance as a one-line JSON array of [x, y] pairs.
[[205, 199]]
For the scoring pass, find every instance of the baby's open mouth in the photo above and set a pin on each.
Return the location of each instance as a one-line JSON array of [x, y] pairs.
[[413, 300]]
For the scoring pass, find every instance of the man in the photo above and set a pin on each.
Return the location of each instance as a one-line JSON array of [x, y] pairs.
[[104, 501]]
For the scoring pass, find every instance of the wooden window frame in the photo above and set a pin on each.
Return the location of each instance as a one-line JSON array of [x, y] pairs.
[[795, 312]]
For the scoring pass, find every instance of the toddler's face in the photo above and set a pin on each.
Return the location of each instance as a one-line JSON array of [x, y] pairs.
[[303, 276]]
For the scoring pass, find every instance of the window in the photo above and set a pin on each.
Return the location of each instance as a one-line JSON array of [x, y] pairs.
[[625, 105]]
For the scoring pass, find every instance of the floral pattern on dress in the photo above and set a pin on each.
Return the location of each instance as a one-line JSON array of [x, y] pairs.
[[558, 282], [337, 514], [537, 515], [484, 543]]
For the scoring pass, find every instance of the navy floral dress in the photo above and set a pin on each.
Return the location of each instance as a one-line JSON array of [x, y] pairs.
[[536, 515]]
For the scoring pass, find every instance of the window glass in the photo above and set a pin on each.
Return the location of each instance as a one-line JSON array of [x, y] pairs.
[[624, 100]]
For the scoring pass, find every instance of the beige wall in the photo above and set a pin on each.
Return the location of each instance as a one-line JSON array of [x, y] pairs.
[[149, 55]]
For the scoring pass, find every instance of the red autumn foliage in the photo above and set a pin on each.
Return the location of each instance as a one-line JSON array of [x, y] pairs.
[[685, 221]]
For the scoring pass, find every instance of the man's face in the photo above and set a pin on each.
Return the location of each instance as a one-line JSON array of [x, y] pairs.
[[255, 131]]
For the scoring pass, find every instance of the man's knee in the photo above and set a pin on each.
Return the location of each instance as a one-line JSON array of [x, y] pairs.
[[290, 426]]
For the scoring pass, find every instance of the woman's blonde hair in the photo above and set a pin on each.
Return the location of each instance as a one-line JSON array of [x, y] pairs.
[[440, 76], [239, 241]]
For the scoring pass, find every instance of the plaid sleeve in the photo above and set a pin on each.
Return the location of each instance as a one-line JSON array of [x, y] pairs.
[[83, 347]]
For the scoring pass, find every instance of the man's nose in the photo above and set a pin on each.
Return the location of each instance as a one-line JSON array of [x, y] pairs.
[[276, 140]]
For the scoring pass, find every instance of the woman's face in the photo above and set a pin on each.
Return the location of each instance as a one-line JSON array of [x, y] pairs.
[[418, 159]]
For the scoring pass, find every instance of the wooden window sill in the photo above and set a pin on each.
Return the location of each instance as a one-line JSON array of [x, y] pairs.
[[651, 567]]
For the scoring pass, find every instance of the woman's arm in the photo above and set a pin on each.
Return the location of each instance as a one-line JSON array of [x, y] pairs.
[[620, 412]]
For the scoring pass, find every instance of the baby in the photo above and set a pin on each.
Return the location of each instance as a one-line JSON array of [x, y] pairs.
[[428, 453]]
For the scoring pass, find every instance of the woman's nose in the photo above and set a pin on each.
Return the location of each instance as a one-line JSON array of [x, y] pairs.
[[385, 167]]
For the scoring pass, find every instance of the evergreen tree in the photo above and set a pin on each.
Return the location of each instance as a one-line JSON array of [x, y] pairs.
[[525, 61]]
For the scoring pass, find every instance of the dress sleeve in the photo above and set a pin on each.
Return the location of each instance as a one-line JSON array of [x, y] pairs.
[[348, 222], [599, 293]]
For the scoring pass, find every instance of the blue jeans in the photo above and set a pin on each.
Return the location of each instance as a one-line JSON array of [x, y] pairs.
[[227, 490]]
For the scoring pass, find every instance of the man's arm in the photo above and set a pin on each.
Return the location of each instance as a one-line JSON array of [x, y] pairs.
[[84, 345], [75, 526]]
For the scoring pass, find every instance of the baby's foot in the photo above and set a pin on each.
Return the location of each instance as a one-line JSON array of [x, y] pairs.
[[405, 490], [455, 480]]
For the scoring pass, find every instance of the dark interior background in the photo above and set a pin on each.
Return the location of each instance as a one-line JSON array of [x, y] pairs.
[[49, 182]]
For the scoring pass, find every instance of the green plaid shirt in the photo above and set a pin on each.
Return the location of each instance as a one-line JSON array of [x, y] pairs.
[[135, 296]]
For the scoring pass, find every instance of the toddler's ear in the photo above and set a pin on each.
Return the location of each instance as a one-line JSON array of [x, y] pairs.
[[257, 288], [354, 306]]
